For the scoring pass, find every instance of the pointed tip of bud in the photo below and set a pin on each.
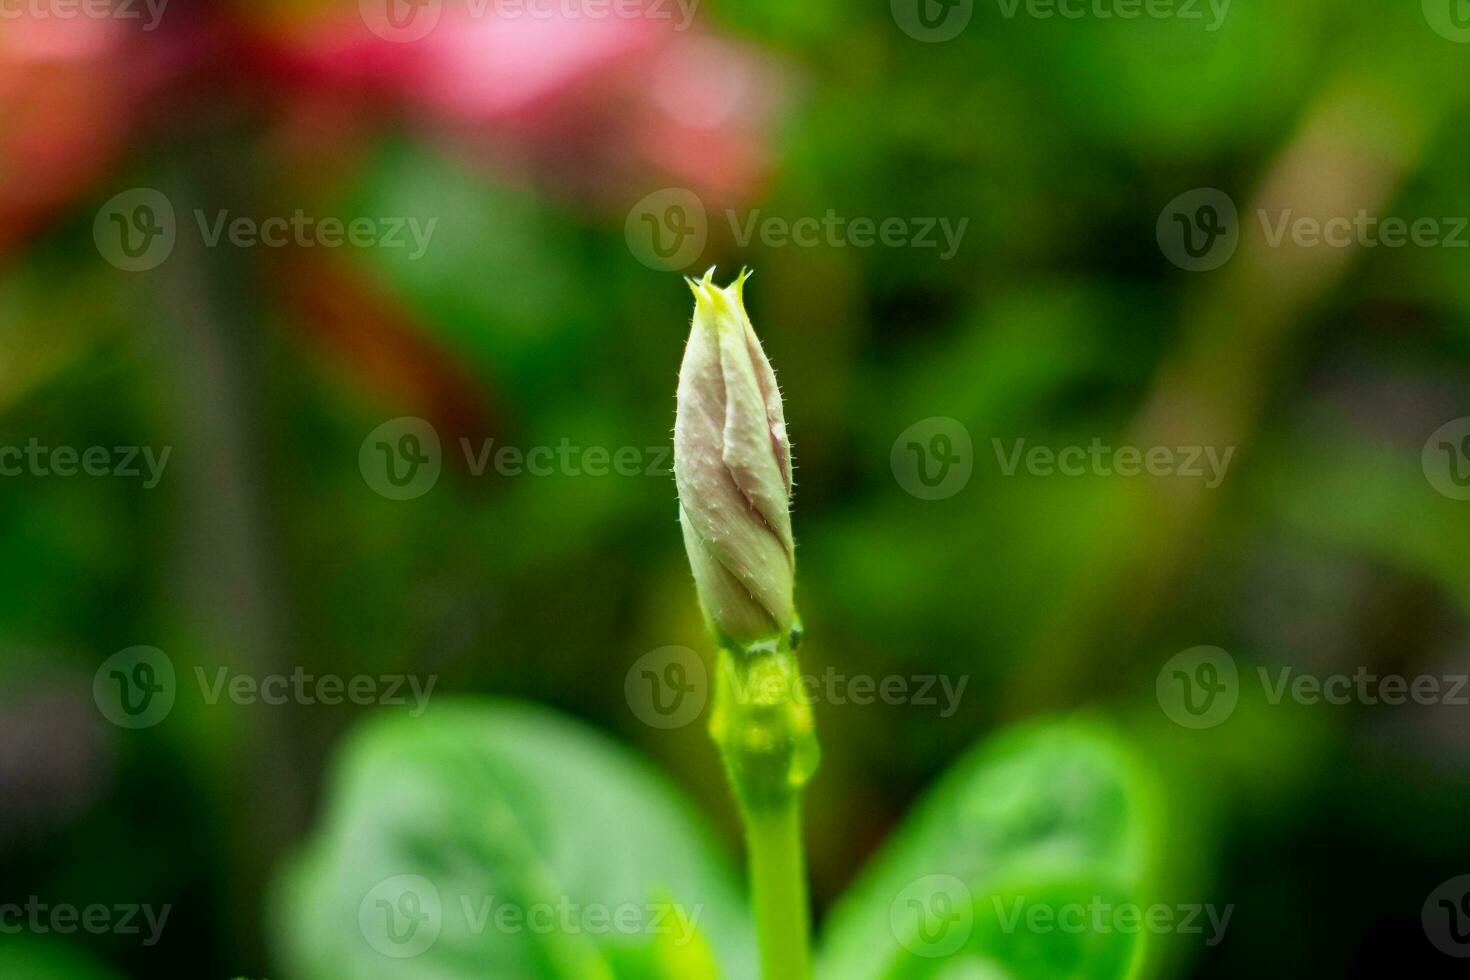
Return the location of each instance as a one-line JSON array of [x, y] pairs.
[[738, 286], [722, 306]]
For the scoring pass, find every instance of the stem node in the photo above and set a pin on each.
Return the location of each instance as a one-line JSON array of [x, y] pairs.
[[762, 723]]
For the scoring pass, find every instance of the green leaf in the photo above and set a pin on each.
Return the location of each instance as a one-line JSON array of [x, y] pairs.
[[1038, 823], [501, 840]]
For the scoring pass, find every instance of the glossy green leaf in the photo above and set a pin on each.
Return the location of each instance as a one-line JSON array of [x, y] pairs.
[[500, 840], [1004, 870]]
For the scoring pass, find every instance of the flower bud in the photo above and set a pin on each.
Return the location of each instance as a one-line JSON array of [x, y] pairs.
[[732, 464]]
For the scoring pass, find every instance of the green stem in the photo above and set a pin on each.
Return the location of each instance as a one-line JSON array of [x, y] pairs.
[[763, 726], [778, 891]]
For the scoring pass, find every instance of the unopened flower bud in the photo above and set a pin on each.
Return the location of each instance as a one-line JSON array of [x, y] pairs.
[[732, 464]]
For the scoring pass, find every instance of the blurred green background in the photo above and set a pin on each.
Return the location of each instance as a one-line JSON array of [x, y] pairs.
[[536, 316]]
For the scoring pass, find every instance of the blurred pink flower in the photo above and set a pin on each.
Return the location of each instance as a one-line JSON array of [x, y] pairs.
[[590, 105], [64, 111]]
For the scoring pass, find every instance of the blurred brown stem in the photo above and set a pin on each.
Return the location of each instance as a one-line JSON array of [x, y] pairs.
[[1358, 143]]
